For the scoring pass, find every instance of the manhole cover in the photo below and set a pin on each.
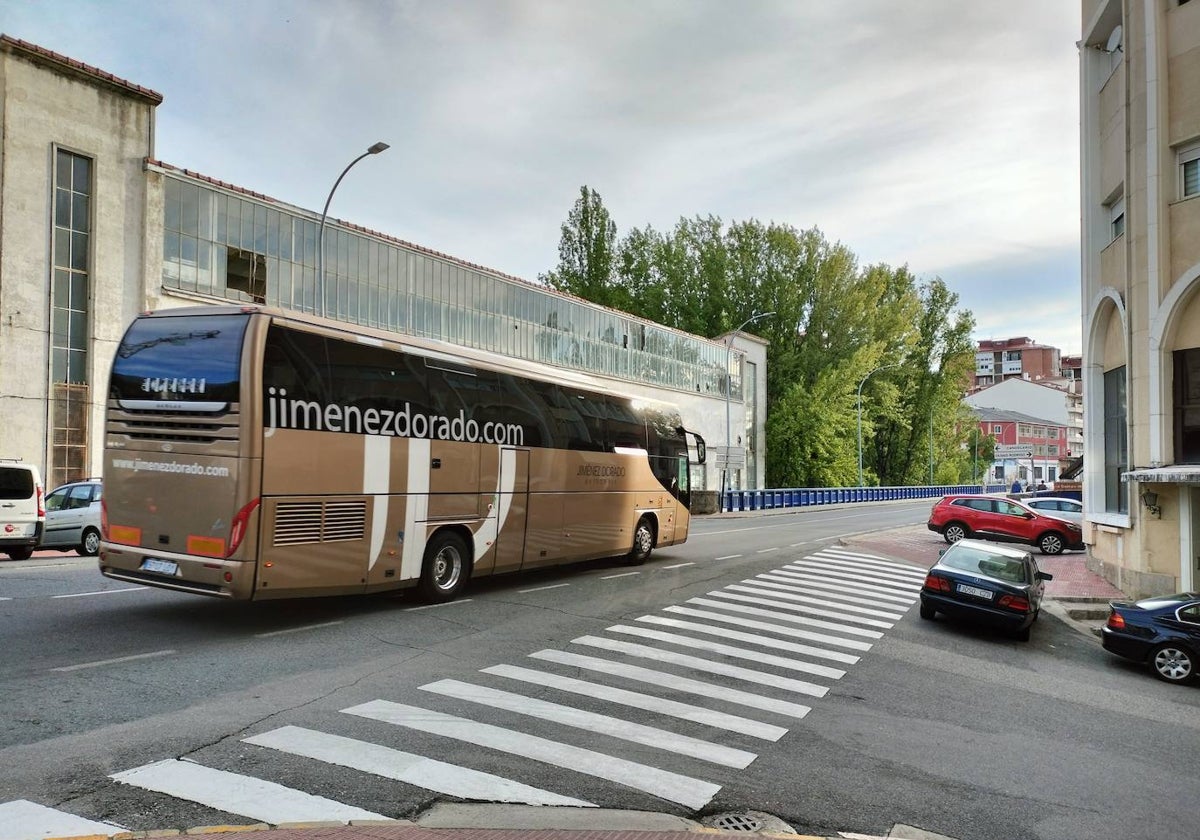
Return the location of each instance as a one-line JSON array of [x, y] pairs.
[[736, 822]]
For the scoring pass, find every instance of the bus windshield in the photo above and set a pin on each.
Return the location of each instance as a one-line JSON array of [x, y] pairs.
[[183, 363]]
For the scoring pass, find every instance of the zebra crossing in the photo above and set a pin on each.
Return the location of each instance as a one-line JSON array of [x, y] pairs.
[[735, 667]]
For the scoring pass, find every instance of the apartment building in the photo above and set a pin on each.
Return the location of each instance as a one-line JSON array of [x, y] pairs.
[[1015, 358], [95, 228], [1140, 184], [1046, 441]]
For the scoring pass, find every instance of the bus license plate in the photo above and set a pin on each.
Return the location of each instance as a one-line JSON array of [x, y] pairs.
[[974, 590], [162, 567]]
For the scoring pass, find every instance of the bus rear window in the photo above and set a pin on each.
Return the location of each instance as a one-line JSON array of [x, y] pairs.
[[179, 363]]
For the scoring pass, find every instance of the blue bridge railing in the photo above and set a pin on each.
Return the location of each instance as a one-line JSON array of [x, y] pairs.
[[795, 497]]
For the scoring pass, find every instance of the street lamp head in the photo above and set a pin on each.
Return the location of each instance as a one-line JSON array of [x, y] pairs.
[[377, 148]]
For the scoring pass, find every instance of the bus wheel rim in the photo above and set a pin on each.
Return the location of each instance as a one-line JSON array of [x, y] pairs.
[[447, 566]]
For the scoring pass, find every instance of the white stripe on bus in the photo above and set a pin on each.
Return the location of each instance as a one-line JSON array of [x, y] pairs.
[[684, 790], [416, 509], [637, 700], [665, 680], [377, 476], [625, 730], [234, 793], [416, 770]]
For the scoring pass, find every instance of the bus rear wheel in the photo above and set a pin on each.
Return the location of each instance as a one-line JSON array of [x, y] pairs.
[[446, 568], [643, 543]]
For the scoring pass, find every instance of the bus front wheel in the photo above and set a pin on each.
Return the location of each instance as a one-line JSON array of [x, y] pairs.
[[446, 568], [643, 542]]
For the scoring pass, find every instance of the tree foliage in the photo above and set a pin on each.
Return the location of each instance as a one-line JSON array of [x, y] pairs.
[[849, 345]]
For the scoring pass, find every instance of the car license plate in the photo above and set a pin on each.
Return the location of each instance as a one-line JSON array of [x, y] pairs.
[[975, 590], [162, 567]]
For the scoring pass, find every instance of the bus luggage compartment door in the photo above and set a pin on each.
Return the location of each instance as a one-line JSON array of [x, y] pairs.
[[512, 510]]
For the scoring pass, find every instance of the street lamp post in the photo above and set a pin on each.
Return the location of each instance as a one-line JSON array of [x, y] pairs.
[[373, 150], [862, 382], [729, 389]]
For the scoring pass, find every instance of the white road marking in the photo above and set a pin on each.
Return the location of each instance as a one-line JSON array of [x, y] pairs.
[[673, 708], [729, 557], [665, 680], [118, 660], [778, 590], [684, 790], [791, 619], [9, 599], [873, 559], [752, 638], [766, 550], [446, 604], [820, 580], [871, 577], [621, 575], [25, 820], [739, 621], [844, 629], [594, 722], [838, 593], [543, 588], [730, 650], [427, 773], [103, 592], [234, 793], [678, 565], [866, 567], [297, 629], [698, 664], [771, 598]]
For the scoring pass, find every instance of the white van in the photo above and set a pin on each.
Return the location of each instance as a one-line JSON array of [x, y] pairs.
[[22, 508]]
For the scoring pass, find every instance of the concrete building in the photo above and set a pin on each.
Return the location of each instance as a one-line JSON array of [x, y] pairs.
[[94, 228], [997, 360], [1045, 439], [1140, 181]]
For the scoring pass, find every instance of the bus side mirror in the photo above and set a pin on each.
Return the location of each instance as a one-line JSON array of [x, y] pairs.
[[701, 450]]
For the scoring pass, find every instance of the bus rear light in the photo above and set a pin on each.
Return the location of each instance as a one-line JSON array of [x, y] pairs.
[[237, 531]]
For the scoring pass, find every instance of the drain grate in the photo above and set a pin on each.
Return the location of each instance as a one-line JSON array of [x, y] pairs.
[[737, 822]]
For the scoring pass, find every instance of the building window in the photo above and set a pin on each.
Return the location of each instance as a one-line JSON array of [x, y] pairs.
[[69, 316], [997, 429], [1189, 170], [1116, 449], [1024, 430], [1052, 449], [1116, 218], [1187, 406], [1039, 431]]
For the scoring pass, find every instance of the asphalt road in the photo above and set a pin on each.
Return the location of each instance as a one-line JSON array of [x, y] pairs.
[[933, 724]]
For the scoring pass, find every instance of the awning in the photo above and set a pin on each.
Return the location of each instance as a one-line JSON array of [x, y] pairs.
[[1182, 474]]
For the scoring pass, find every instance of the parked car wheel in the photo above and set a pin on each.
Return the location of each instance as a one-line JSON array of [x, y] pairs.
[[1173, 663], [23, 552], [927, 612], [954, 532], [90, 546], [1022, 635], [1051, 543]]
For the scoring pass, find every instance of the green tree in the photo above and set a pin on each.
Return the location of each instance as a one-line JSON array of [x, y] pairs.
[[586, 251]]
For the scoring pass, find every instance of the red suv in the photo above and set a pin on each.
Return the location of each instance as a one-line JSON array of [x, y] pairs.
[[1002, 520]]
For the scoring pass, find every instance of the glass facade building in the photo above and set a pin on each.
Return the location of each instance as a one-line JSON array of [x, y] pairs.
[[222, 243]]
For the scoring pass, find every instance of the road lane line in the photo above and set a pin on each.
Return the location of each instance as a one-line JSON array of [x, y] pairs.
[[662, 679], [842, 562], [842, 583], [791, 584], [637, 700], [729, 557], [543, 588], [118, 660], [752, 638], [621, 575], [749, 623], [766, 550], [297, 629], [417, 770], [625, 730], [678, 565], [699, 664], [683, 790], [852, 644], [833, 626], [857, 575], [446, 604], [779, 589], [234, 793], [874, 559], [22, 820], [800, 604], [103, 592], [730, 650]]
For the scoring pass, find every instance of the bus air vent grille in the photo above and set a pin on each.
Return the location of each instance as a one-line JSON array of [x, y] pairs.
[[313, 522]]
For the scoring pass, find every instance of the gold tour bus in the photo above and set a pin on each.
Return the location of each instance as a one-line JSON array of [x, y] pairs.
[[253, 453]]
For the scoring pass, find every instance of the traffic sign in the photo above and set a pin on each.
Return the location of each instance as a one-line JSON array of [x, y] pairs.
[[1020, 450]]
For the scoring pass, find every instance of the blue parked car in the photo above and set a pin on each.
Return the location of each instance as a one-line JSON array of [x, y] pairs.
[[1163, 631], [986, 583]]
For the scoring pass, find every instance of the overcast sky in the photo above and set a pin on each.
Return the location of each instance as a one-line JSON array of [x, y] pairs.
[[938, 134]]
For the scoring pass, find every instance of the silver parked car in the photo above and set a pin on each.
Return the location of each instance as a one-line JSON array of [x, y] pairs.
[[73, 517], [1068, 509]]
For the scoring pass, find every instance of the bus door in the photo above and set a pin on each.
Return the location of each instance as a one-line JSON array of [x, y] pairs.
[[512, 509]]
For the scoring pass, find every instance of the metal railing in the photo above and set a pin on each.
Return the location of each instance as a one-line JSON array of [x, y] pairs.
[[795, 497]]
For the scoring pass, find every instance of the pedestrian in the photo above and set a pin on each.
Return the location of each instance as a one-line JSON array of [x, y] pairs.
[[1041, 485], [1016, 488]]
